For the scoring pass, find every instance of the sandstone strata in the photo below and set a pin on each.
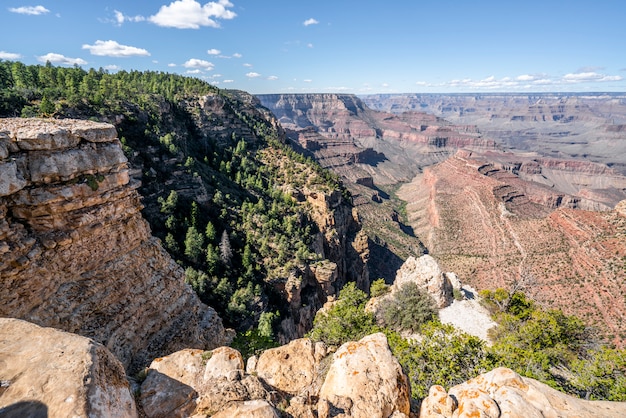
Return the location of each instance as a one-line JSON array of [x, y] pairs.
[[76, 252], [503, 393], [584, 126], [47, 372]]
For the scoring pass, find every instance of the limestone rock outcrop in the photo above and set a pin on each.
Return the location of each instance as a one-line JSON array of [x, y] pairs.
[[292, 368], [425, 272], [199, 382], [77, 254], [503, 393], [364, 380], [249, 409], [47, 372], [344, 248]]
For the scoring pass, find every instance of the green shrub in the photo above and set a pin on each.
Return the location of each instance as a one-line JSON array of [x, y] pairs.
[[443, 356], [408, 309], [378, 288], [346, 320]]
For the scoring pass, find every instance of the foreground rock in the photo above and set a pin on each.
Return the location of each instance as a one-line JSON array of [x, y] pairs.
[[46, 372], [75, 252], [364, 380], [503, 393], [199, 382]]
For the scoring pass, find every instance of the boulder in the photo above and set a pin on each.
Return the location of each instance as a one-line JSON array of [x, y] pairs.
[[425, 272], [364, 380], [224, 362], [249, 409], [47, 372], [291, 368], [195, 381], [504, 393]]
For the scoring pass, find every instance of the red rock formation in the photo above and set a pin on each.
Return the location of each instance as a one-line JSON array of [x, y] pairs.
[[494, 229]]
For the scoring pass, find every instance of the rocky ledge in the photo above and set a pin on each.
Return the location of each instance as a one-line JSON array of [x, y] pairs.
[[75, 252]]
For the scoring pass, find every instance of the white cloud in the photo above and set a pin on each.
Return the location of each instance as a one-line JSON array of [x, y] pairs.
[[111, 67], [247, 65], [228, 81], [589, 77], [543, 82], [193, 71], [253, 75], [171, 64], [237, 55], [120, 18], [309, 45], [272, 78], [189, 14], [113, 49], [29, 10], [200, 64], [9, 56], [214, 51], [307, 80], [310, 21], [525, 77], [60, 59]]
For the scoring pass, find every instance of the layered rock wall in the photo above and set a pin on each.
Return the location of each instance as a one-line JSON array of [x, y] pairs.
[[76, 253]]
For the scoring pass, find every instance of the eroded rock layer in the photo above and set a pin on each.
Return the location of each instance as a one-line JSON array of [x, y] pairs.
[[76, 253], [493, 229]]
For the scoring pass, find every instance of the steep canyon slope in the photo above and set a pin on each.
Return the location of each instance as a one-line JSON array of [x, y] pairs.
[[257, 228], [372, 152]]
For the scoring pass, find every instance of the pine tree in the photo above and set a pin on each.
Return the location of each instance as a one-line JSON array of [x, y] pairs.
[[210, 232], [193, 243]]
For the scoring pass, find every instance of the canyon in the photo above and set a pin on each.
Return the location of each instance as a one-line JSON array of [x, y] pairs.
[[500, 189], [104, 299]]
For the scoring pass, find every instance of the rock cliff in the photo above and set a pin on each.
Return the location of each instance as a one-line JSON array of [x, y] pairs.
[[77, 254], [584, 126]]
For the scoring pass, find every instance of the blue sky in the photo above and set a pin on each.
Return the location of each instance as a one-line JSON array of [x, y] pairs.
[[358, 47]]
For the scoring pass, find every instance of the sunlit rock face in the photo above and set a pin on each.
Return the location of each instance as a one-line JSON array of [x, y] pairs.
[[76, 253], [47, 372], [504, 393]]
